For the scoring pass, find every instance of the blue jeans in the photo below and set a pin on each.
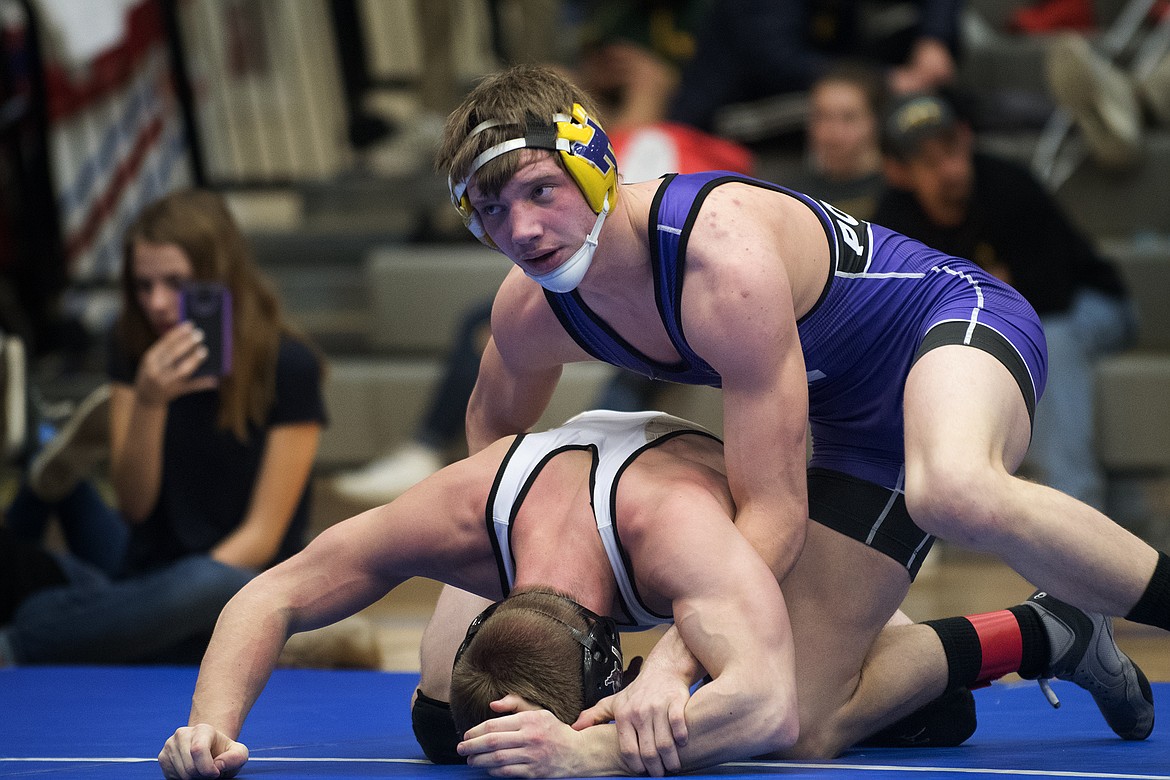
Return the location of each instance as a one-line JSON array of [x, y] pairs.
[[93, 530], [162, 616], [445, 418], [1063, 452], [165, 616]]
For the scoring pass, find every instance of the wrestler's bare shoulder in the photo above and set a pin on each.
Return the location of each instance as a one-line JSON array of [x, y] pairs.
[[745, 232], [693, 460], [520, 304], [739, 208]]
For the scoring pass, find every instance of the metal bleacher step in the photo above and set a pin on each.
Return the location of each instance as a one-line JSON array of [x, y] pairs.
[[376, 403], [1133, 426], [418, 296], [1123, 204], [1145, 265]]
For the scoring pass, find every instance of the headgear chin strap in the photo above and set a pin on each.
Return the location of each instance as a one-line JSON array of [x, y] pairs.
[[565, 277], [585, 150]]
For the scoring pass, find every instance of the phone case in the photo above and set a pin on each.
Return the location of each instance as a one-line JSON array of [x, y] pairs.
[[209, 306]]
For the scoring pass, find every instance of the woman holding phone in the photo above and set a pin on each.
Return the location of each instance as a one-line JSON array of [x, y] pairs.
[[210, 469]]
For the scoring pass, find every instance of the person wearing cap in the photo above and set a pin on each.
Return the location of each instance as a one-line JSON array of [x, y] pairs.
[[916, 371], [748, 50], [992, 211]]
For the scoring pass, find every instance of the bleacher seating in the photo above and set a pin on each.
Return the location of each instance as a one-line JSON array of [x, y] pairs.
[[417, 296], [1133, 417]]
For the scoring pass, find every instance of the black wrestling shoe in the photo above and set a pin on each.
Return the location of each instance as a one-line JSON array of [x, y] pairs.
[[1083, 652]]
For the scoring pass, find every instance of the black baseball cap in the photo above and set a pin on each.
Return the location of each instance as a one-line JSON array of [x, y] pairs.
[[914, 118]]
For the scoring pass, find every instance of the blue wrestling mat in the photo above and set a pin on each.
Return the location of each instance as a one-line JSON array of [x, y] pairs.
[[110, 722]]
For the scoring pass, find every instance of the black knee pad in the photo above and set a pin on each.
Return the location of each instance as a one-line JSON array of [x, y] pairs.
[[434, 728], [948, 721]]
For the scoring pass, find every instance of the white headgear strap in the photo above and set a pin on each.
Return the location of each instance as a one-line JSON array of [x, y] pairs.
[[483, 158]]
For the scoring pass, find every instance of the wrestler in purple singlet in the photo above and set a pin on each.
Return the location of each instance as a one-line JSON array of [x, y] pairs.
[[884, 295]]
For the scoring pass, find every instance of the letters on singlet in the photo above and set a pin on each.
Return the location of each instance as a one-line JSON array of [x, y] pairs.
[[854, 240]]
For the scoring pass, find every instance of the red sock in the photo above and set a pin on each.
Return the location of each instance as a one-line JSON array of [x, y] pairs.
[[981, 648]]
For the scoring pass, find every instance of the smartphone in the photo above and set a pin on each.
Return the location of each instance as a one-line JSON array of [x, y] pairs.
[[209, 306]]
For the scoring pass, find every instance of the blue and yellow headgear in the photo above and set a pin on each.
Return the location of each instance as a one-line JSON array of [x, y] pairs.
[[584, 148]]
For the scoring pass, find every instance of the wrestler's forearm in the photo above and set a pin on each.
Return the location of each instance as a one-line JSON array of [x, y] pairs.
[[726, 720], [505, 402], [722, 729], [766, 471], [749, 707], [730, 720], [243, 651], [777, 540]]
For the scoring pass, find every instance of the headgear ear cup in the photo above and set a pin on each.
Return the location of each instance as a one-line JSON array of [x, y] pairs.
[[585, 151], [603, 667], [472, 223], [467, 212]]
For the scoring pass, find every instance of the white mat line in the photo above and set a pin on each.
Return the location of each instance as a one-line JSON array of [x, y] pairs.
[[344, 760], [739, 764], [950, 769], [132, 760], [77, 760]]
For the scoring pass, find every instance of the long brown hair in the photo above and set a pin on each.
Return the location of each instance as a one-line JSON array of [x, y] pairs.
[[199, 223]]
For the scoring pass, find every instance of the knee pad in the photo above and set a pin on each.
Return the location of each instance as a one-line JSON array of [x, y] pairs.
[[434, 728], [948, 721]]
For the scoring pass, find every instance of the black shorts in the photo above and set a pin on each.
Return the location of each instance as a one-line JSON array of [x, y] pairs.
[[871, 514]]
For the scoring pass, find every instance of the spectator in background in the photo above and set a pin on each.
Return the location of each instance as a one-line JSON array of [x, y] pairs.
[[751, 49], [630, 61], [844, 159], [993, 212], [632, 54], [210, 474]]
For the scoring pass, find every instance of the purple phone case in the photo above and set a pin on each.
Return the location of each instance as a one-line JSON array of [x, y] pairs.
[[224, 324]]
